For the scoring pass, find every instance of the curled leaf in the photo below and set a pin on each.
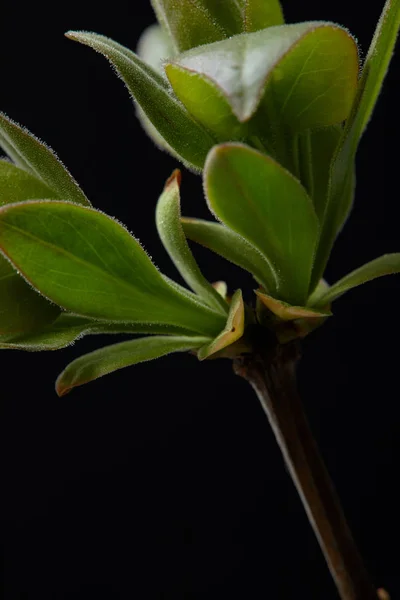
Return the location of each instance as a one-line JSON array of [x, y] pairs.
[[287, 312], [307, 71], [232, 331]]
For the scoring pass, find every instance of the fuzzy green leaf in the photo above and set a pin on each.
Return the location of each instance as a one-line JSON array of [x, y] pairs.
[[150, 90], [256, 197], [233, 247], [69, 328], [189, 23], [259, 14], [21, 308], [89, 264], [168, 213], [384, 265], [322, 144], [32, 155], [308, 71], [232, 331], [370, 84], [125, 354], [192, 23]]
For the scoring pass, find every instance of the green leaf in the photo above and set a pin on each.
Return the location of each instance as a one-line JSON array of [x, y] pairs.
[[256, 197], [125, 354], [370, 84], [207, 104], [17, 185], [259, 14], [189, 23], [21, 308], [323, 143], [384, 265], [168, 213], [150, 90], [233, 247], [308, 71], [89, 264], [32, 155], [232, 331], [69, 328], [192, 23], [153, 47]]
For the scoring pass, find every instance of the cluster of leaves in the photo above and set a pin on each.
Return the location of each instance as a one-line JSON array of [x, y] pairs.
[[271, 114]]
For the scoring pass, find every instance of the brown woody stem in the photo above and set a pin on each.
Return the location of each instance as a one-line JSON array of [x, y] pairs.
[[271, 372]]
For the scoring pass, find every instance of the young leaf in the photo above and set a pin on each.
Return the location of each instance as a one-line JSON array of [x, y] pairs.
[[189, 23], [168, 213], [125, 354], [384, 265], [287, 312], [232, 331], [260, 14], [260, 200], [233, 247], [69, 328], [309, 70], [21, 308], [28, 152], [374, 71], [90, 265], [150, 90]]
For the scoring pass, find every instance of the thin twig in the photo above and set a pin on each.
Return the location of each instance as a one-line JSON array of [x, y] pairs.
[[271, 372]]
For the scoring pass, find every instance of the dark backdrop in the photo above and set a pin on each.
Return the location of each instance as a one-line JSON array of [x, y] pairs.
[[164, 480]]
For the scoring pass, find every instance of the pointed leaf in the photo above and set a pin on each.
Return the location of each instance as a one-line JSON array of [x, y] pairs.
[[259, 14], [89, 264], [125, 354], [257, 198], [308, 71], [384, 265], [149, 89], [232, 331], [69, 328], [189, 22], [153, 47], [287, 312], [28, 152], [233, 247], [168, 213], [374, 71], [21, 308]]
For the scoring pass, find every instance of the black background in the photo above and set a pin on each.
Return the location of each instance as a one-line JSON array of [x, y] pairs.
[[163, 481]]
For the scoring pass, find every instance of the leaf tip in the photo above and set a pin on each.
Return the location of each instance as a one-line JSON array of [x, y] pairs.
[[176, 177]]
